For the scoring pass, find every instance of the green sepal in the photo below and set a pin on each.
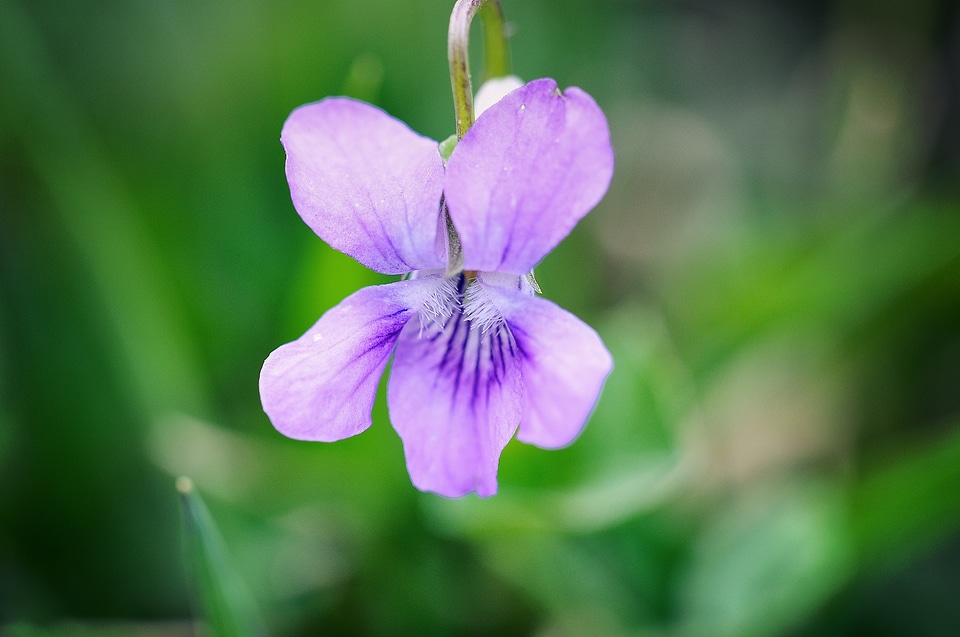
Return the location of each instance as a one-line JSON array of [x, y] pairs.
[[447, 146], [533, 282]]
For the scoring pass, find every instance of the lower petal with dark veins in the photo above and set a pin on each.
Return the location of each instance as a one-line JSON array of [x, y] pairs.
[[455, 399]]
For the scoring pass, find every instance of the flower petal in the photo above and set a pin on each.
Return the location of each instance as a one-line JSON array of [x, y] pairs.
[[365, 183], [322, 385], [531, 166], [455, 399], [563, 363]]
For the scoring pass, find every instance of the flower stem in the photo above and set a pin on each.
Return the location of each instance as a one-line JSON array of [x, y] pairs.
[[496, 63]]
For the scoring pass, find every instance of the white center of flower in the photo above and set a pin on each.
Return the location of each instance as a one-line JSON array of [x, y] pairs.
[[479, 308], [461, 298], [439, 304]]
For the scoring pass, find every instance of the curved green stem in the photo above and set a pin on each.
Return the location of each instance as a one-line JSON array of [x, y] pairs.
[[496, 63]]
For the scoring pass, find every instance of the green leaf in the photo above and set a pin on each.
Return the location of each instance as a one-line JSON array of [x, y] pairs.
[[767, 561]]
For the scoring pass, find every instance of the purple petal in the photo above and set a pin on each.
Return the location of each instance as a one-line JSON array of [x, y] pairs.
[[563, 363], [455, 399], [531, 166], [365, 183], [322, 385]]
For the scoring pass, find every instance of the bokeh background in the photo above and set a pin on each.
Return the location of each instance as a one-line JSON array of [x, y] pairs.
[[776, 269]]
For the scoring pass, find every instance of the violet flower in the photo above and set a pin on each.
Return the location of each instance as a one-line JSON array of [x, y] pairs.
[[476, 354]]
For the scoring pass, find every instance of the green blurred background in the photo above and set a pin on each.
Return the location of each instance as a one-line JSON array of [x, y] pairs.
[[776, 269]]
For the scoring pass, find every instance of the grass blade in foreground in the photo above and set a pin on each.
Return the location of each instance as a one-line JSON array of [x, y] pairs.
[[219, 592]]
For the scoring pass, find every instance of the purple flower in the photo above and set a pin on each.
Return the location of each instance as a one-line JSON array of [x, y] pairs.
[[476, 354]]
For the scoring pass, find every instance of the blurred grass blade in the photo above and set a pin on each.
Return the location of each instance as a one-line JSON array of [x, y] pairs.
[[910, 505], [106, 222], [219, 592]]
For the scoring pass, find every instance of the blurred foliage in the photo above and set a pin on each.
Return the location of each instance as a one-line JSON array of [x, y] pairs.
[[776, 270], [219, 592]]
